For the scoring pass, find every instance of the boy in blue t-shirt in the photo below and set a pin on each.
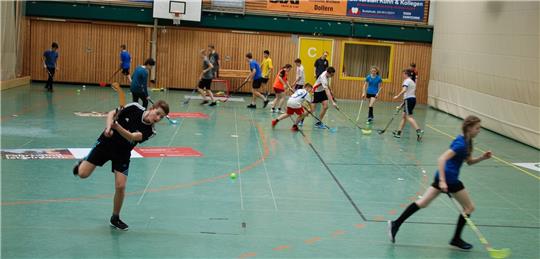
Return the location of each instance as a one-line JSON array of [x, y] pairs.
[[256, 75], [139, 82], [50, 58], [125, 61], [373, 82], [446, 180]]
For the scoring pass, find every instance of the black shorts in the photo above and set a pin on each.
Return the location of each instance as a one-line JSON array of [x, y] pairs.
[[297, 86], [257, 83], [371, 95], [319, 97], [205, 84], [264, 80], [125, 71], [452, 188], [101, 153], [409, 105]]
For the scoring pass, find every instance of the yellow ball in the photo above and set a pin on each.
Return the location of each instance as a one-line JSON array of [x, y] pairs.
[[233, 176]]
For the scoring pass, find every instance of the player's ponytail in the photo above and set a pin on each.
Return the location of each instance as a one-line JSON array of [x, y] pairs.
[[468, 123]]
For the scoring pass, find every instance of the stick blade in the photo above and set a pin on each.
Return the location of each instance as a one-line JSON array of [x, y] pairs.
[[332, 130], [380, 131], [499, 253]]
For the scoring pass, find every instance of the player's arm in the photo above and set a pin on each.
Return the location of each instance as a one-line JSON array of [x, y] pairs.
[[403, 90], [330, 96], [472, 161], [441, 162], [210, 67], [109, 122], [251, 75], [130, 136], [364, 89]]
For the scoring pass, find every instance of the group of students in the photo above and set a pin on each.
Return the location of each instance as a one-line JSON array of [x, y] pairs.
[[133, 124]]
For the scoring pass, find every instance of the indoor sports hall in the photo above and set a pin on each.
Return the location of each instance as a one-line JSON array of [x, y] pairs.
[[270, 129]]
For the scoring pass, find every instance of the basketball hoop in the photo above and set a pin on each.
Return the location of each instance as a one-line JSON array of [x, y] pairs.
[[176, 18]]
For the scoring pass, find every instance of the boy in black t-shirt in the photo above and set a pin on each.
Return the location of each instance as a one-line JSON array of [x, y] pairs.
[[124, 129]]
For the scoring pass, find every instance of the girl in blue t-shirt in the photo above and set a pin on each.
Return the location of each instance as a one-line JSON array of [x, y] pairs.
[[447, 180], [373, 82]]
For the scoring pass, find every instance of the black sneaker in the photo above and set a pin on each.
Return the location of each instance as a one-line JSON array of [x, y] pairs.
[[392, 231], [419, 135], [459, 243], [252, 106], [119, 224], [76, 168], [396, 134], [212, 103], [266, 103], [204, 102]]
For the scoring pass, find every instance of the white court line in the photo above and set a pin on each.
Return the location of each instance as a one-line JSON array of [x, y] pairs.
[[238, 160], [161, 160], [263, 160]]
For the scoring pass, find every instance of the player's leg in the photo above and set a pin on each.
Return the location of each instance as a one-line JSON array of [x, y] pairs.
[[120, 166], [324, 109], [462, 196], [393, 226]]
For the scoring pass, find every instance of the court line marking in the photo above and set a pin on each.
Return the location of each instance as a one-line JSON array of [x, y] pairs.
[[351, 201], [151, 190], [161, 160], [238, 160], [445, 202], [494, 156], [264, 163]]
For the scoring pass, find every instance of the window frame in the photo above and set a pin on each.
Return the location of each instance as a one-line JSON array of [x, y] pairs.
[[363, 78]]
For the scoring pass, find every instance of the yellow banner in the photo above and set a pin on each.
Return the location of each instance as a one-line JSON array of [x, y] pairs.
[[330, 7], [309, 50]]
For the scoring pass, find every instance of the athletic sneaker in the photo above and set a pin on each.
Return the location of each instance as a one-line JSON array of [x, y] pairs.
[[392, 231], [419, 135], [369, 120], [117, 223], [301, 123], [320, 126], [204, 102], [252, 106], [318, 123], [280, 111], [273, 110], [76, 168], [274, 122], [212, 103], [294, 127], [265, 103], [459, 243], [397, 133]]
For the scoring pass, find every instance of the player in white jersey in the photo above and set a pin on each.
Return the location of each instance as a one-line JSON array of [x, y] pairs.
[[409, 101], [322, 94], [294, 105]]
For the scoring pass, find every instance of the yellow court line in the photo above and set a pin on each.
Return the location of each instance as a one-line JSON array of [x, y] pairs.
[[497, 158]]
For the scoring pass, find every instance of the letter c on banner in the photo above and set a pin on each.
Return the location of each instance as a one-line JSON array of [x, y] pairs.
[[310, 54]]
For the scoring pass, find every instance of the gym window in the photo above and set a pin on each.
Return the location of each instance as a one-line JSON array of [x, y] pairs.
[[358, 57]]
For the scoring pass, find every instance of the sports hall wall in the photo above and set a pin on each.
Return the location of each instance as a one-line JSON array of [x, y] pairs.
[[89, 52], [485, 61], [93, 56]]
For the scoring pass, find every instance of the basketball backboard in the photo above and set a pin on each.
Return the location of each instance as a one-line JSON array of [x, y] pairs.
[[189, 10]]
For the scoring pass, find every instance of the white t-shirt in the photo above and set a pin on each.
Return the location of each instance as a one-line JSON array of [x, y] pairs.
[[300, 77], [321, 83], [296, 100], [411, 88]]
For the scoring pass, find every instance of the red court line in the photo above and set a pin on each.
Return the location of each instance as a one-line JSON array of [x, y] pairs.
[[158, 189]]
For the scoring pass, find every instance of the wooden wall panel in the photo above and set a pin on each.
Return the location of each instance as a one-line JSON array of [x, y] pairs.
[[179, 65], [88, 52]]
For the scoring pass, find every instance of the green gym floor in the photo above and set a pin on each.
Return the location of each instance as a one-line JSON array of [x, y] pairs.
[[290, 200]]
